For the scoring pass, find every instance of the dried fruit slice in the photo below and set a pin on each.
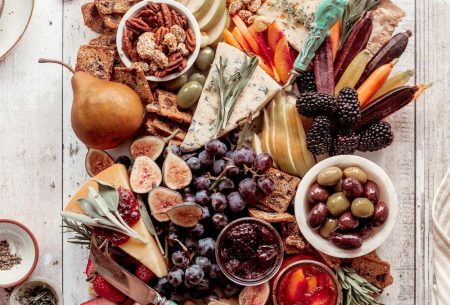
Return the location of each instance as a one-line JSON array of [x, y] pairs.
[[176, 172], [162, 199], [150, 146], [185, 215], [255, 295], [145, 174], [97, 161]]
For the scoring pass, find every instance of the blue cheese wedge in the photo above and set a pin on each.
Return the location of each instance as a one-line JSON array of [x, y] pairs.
[[259, 91]]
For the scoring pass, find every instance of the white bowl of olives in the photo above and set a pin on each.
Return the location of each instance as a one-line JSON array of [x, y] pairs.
[[346, 206]]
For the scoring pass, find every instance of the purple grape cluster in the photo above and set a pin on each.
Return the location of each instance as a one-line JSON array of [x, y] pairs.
[[225, 181]]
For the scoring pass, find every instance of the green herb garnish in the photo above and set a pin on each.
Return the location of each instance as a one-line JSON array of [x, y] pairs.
[[83, 234], [39, 295], [354, 11], [229, 88], [356, 289]]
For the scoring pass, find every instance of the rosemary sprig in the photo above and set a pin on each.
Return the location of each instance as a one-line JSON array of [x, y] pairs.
[[294, 13], [101, 210], [229, 88], [82, 235], [354, 11], [39, 295], [356, 289]]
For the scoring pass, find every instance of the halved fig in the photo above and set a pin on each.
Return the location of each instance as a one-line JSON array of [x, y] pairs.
[[97, 161], [176, 172], [162, 199], [255, 295], [150, 146], [145, 174], [185, 214]]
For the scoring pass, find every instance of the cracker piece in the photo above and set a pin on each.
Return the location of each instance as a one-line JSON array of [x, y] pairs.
[[270, 217], [96, 60], [92, 18], [106, 40], [373, 269], [296, 242], [291, 236], [285, 188], [112, 6], [112, 21], [136, 80], [168, 107], [166, 127], [330, 261]]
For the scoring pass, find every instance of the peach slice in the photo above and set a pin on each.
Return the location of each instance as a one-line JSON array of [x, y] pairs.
[[229, 38], [244, 31], [244, 44], [296, 285], [274, 35], [265, 66], [312, 283], [266, 50], [284, 60]]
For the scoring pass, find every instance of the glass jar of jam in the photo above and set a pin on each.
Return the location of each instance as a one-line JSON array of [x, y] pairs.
[[249, 251], [306, 282]]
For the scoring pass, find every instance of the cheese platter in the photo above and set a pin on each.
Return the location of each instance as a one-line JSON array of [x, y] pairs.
[[210, 203]]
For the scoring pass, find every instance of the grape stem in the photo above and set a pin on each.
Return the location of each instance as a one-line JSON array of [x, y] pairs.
[[219, 178]]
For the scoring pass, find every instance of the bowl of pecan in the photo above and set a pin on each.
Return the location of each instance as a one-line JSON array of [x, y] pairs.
[[160, 36]]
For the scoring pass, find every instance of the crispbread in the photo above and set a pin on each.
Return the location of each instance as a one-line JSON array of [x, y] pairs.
[[106, 40], [92, 18], [271, 217], [136, 80], [373, 269], [292, 239], [165, 127], [153, 107], [296, 242], [285, 188], [96, 60], [168, 107], [112, 6], [112, 21], [330, 261]]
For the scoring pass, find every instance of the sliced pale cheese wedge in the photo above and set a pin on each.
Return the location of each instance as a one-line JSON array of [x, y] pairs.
[[147, 253], [216, 33], [212, 16], [199, 8], [259, 91]]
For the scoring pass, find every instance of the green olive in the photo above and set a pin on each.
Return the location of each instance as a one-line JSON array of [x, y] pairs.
[[198, 77], [357, 173], [362, 208], [189, 94], [329, 226], [329, 176], [204, 59], [177, 83], [337, 204]]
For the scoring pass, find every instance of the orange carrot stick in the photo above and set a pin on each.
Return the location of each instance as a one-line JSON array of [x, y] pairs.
[[422, 88], [244, 44], [374, 82], [229, 38], [335, 35]]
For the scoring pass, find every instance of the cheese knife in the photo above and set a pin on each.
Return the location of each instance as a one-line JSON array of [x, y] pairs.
[[327, 14], [121, 279]]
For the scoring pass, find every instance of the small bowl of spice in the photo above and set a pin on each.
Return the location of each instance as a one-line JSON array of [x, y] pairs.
[[36, 291], [19, 253], [162, 37]]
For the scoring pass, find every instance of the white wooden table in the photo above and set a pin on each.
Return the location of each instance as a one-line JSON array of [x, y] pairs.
[[42, 162]]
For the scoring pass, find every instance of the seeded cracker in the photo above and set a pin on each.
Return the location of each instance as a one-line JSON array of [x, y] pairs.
[[92, 18], [135, 79], [112, 21], [165, 127], [168, 107], [270, 217], [106, 40], [106, 7], [96, 60], [373, 269]]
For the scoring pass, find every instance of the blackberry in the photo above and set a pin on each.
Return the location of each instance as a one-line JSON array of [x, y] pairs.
[[319, 136], [312, 104], [348, 110], [242, 240], [375, 137], [306, 82], [345, 143]]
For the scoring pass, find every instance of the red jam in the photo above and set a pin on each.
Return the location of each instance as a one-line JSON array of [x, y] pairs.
[[307, 285], [129, 210]]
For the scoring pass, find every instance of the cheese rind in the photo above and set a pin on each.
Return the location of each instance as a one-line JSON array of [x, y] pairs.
[[147, 253], [259, 91]]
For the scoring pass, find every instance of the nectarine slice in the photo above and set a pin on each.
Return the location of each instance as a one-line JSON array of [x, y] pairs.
[[274, 35], [284, 60], [229, 38], [294, 287], [244, 44], [265, 66], [244, 31]]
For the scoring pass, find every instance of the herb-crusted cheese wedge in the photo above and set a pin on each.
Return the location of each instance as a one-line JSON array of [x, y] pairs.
[[259, 90], [294, 17]]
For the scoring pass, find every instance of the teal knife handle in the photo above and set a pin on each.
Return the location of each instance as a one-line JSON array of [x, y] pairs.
[[327, 14]]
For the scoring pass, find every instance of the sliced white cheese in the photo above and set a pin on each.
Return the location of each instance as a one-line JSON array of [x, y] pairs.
[[259, 91], [276, 10]]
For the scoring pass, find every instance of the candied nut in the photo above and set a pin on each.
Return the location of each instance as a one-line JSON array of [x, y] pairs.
[[146, 45], [167, 15], [260, 23], [254, 5], [178, 32], [141, 65], [170, 41], [159, 58], [181, 47], [152, 67], [235, 6], [245, 16]]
